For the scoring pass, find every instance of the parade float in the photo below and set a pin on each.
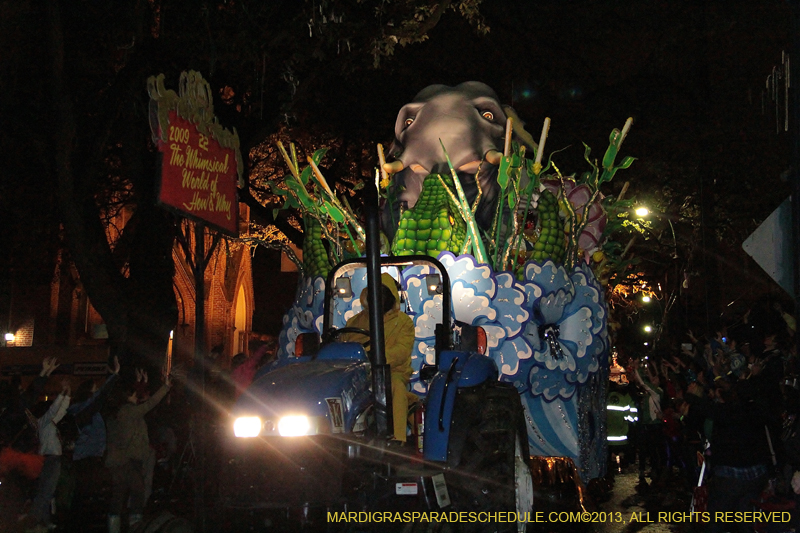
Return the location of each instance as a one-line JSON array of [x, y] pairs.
[[527, 247]]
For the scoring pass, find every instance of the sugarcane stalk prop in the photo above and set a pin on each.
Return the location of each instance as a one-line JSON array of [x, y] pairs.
[[577, 229], [381, 162], [537, 165], [609, 169], [385, 179], [466, 247], [511, 245], [349, 217], [290, 162], [352, 240], [537, 170], [529, 193], [499, 229], [517, 159], [502, 179], [296, 186], [294, 156], [464, 208], [333, 237], [515, 225], [347, 228], [495, 220], [507, 143], [622, 192], [615, 142], [478, 196], [314, 206]]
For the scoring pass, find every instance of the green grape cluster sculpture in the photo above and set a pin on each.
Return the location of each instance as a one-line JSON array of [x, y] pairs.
[[315, 258], [552, 241], [433, 224], [442, 218]]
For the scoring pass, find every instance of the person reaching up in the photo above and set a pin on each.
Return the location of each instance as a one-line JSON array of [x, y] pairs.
[[128, 449], [50, 449]]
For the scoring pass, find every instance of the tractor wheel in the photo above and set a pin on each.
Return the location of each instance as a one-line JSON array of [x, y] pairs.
[[489, 454]]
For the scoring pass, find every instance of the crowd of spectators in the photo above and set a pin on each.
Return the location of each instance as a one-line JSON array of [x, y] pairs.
[[728, 399], [91, 460]]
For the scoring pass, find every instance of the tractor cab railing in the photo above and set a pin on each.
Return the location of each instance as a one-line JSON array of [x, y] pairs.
[[338, 285]]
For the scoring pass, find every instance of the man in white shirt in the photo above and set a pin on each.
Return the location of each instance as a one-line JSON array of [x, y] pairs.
[[50, 449]]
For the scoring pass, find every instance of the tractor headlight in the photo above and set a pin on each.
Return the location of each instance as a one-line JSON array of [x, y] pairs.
[[294, 426], [247, 426]]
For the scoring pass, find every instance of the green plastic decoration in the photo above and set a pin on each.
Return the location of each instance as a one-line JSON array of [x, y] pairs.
[[442, 218], [477, 248]]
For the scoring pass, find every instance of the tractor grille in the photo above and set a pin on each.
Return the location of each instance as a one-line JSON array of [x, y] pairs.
[[275, 472]]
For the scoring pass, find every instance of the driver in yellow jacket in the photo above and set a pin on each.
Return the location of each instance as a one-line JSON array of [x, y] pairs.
[[399, 340]]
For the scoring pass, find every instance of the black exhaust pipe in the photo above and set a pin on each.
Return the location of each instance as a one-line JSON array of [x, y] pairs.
[[381, 372]]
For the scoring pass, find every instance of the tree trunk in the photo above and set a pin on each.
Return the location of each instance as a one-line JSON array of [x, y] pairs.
[[136, 299]]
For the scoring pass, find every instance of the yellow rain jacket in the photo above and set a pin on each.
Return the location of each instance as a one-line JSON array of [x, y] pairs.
[[398, 332]]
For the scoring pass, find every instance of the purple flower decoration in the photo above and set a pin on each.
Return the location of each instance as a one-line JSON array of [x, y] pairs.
[[579, 196]]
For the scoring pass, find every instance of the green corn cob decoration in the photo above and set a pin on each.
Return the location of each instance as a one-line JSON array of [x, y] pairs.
[[315, 257], [433, 224], [551, 243]]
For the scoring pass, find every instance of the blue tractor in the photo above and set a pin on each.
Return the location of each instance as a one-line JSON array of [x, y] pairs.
[[309, 437]]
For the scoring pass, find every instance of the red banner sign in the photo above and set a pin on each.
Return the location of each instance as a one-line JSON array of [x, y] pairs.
[[198, 176]]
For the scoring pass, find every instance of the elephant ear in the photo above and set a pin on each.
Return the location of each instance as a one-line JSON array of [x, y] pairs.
[[406, 112], [518, 126]]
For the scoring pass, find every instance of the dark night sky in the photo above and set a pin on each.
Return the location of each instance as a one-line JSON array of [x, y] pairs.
[[589, 65], [691, 74]]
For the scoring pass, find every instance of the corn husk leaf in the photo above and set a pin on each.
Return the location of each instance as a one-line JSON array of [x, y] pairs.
[[334, 212]]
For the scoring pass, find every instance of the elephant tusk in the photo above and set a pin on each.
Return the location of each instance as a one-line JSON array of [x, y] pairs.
[[470, 168], [394, 167], [494, 157]]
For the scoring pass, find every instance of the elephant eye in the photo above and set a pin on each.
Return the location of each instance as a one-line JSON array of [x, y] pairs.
[[409, 121], [488, 115]]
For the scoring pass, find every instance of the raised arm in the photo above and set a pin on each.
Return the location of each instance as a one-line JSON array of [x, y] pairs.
[[59, 407], [34, 390], [85, 412], [144, 407]]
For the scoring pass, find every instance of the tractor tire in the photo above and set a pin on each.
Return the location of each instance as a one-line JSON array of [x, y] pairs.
[[165, 522], [490, 458]]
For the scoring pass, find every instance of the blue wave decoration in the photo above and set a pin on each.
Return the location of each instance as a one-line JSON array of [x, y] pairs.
[[547, 333]]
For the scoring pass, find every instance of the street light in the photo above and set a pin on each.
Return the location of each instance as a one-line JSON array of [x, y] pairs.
[[648, 329], [642, 212], [9, 337], [646, 299]]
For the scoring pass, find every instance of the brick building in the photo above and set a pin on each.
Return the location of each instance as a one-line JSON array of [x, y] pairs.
[[58, 319]]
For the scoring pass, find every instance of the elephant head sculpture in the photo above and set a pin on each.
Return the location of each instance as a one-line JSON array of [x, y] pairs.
[[470, 122]]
